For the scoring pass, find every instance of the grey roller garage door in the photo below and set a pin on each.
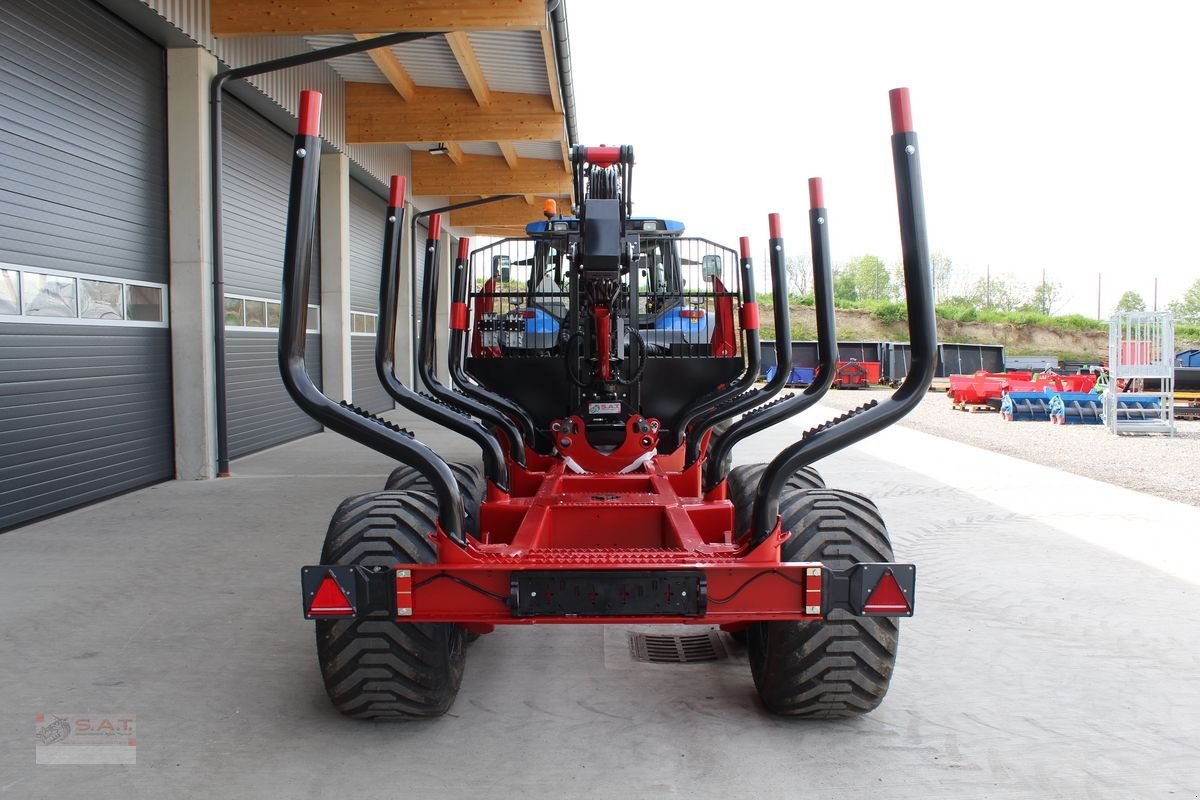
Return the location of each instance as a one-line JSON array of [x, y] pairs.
[[257, 164], [85, 371], [367, 211]]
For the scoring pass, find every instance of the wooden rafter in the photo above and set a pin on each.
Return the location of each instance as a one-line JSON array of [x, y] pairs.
[[509, 152], [296, 17], [392, 69], [454, 152], [486, 176], [438, 115], [514, 211], [464, 54], [551, 68]]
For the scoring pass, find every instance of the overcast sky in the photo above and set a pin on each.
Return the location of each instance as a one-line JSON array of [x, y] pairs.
[[1057, 136]]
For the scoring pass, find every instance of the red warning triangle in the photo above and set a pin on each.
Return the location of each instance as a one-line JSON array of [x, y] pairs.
[[330, 599], [887, 597]]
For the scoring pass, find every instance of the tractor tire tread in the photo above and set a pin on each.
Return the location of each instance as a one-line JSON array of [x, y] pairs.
[[374, 667], [839, 667], [743, 483]]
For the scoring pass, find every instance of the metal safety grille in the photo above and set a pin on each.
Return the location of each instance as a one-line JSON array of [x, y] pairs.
[[663, 648]]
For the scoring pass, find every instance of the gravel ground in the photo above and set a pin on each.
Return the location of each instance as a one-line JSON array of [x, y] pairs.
[[1165, 466]]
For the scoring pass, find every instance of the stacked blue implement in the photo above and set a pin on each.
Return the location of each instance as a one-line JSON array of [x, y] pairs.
[[1025, 406], [1076, 408], [800, 376]]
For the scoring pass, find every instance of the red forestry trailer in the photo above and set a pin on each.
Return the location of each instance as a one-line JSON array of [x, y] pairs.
[[606, 387]]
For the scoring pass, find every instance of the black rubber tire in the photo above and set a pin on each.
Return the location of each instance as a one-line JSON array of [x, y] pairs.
[[743, 483], [839, 667], [470, 480], [375, 667]]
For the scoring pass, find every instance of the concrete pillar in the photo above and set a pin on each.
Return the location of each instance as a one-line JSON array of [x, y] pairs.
[[335, 276], [189, 72], [445, 277]]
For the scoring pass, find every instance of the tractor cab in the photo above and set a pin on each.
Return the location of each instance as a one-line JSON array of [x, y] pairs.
[[663, 334]]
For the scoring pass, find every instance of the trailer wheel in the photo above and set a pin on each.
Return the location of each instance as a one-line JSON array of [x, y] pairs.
[[839, 667], [470, 482], [374, 667], [743, 483]]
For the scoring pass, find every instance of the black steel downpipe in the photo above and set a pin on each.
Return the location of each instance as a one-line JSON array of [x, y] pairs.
[[363, 428], [720, 453], [562, 51], [427, 348], [783, 352], [922, 331], [495, 468], [751, 347], [216, 158]]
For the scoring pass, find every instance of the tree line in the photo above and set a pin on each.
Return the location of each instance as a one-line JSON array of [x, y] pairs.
[[868, 279]]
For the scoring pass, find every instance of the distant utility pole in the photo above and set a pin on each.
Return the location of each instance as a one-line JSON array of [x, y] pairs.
[[1098, 277], [987, 288], [1045, 300]]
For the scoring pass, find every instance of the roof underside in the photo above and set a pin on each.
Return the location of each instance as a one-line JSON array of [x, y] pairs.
[[482, 90]]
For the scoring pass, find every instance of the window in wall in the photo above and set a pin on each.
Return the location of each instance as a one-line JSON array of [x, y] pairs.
[[48, 295], [10, 291], [235, 312], [144, 303], [256, 313], [363, 324], [261, 314], [101, 300], [30, 294]]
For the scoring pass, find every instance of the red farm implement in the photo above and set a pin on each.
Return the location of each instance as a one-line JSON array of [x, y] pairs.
[[605, 367]]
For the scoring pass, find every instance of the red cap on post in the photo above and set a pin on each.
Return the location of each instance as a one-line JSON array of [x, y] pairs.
[[773, 224], [310, 113], [396, 197], [744, 243], [816, 193], [901, 111], [435, 226], [464, 248]]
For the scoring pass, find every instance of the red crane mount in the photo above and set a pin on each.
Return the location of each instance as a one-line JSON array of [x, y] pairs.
[[606, 392]]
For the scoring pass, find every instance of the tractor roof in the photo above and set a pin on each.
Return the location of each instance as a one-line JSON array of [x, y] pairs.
[[662, 227]]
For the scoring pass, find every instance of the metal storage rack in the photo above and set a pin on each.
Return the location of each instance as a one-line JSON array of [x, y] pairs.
[[1141, 346]]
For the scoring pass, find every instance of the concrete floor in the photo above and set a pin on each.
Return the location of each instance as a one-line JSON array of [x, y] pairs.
[[1055, 653]]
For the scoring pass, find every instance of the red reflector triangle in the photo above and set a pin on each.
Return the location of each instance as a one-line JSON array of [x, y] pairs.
[[330, 599], [886, 597]]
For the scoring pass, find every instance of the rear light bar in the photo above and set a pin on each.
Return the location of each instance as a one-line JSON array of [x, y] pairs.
[[715, 594], [692, 313]]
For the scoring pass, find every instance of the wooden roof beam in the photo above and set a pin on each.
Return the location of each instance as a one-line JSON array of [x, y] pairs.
[[513, 211], [297, 17], [487, 176], [464, 54], [439, 115], [392, 69], [509, 152], [551, 68]]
